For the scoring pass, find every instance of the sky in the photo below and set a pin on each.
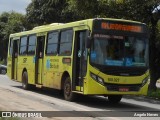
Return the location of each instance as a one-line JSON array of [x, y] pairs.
[[14, 5]]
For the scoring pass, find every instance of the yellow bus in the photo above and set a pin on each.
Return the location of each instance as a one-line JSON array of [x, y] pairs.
[[101, 56]]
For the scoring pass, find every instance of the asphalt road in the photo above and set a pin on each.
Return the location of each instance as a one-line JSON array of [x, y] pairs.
[[14, 98]]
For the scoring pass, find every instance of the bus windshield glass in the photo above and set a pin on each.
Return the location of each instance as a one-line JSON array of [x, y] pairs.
[[112, 50]]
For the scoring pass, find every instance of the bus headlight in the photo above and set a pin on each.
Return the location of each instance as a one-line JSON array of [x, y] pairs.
[[93, 76], [97, 78], [100, 80], [145, 81]]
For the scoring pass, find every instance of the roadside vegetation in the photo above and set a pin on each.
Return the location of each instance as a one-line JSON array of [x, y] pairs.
[[2, 62], [154, 94], [9, 119]]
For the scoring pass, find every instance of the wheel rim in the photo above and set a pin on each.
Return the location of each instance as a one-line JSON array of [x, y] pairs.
[[3, 72], [23, 84], [24, 81]]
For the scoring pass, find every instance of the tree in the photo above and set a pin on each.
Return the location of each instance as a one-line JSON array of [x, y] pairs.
[[84, 8], [154, 51], [11, 22], [46, 11]]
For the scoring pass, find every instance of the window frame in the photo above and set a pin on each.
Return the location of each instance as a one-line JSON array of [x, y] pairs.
[[71, 42], [52, 54], [23, 45], [31, 45]]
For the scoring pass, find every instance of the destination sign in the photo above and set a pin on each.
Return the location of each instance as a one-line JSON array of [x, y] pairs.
[[122, 27], [119, 26]]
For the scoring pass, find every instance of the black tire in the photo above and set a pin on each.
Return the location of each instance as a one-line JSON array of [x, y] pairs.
[[67, 90], [25, 84], [3, 71], [114, 99]]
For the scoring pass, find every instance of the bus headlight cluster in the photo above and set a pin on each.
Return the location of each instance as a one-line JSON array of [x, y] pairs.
[[97, 78], [145, 80]]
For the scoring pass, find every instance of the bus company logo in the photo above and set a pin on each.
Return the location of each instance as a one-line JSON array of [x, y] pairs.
[[6, 114], [122, 27]]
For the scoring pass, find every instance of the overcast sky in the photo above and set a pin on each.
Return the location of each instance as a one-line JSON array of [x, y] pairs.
[[15, 5]]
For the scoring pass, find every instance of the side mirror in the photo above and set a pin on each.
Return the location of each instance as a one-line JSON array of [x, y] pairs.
[[89, 39]]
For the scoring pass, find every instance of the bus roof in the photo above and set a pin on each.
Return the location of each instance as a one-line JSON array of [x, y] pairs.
[[57, 26]]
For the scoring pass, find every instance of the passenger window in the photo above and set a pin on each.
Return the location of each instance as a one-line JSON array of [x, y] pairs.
[[66, 42], [32, 45], [23, 46], [52, 43]]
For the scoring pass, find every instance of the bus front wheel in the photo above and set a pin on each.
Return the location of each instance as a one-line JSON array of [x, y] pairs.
[[114, 98], [68, 94], [25, 84]]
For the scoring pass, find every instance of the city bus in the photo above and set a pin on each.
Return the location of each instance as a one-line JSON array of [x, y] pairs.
[[101, 56]]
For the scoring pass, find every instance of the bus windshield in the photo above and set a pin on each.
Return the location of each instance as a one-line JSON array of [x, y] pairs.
[[112, 50]]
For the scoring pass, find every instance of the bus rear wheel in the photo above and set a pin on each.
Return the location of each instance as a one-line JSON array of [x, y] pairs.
[[25, 84], [68, 94], [114, 98]]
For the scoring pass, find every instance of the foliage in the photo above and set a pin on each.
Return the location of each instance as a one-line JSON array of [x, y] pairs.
[[16, 118], [45, 11], [154, 94], [2, 62], [139, 10], [84, 8], [9, 23]]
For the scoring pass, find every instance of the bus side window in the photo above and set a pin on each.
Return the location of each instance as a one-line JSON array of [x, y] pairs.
[[66, 42], [23, 46], [31, 45], [52, 43]]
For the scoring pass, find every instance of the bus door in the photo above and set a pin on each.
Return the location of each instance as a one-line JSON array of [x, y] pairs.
[[39, 59], [14, 46], [80, 60]]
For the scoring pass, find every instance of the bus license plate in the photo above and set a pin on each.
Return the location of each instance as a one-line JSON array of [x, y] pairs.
[[124, 89]]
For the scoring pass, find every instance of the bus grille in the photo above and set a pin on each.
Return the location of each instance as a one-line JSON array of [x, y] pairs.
[[123, 87]]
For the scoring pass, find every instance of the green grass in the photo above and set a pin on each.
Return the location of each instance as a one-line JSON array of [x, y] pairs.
[[154, 94], [9, 119], [1, 62]]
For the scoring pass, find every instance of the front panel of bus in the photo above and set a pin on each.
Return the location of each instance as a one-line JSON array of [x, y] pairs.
[[118, 59]]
